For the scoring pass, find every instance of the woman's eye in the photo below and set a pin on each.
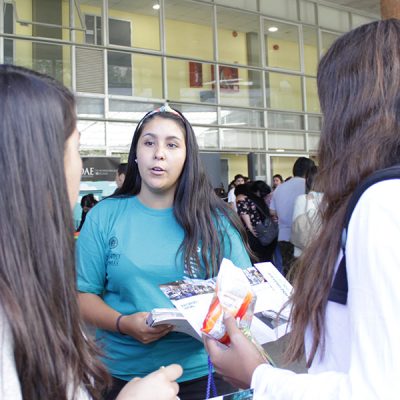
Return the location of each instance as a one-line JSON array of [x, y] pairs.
[[172, 145], [148, 143]]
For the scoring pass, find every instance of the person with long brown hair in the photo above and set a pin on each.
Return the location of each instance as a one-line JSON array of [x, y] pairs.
[[44, 353], [352, 348], [164, 223]]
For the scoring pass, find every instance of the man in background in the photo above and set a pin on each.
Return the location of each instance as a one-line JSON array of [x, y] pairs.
[[282, 205], [238, 180]]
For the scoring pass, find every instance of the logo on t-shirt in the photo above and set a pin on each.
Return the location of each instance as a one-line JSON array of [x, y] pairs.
[[113, 242]]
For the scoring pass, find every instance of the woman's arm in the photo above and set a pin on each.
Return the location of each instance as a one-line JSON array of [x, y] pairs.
[[96, 312]]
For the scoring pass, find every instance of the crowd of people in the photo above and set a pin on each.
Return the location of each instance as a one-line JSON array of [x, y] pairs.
[[165, 222]]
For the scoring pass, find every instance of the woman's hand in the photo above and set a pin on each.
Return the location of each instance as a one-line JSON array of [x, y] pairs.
[[135, 325], [158, 385], [237, 362]]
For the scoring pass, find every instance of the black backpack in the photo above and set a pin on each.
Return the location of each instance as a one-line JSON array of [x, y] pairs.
[[339, 289]]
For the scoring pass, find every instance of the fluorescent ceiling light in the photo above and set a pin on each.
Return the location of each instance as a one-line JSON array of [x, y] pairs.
[[156, 7], [272, 28]]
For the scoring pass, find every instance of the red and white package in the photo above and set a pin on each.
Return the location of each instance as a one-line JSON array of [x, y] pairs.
[[233, 295]]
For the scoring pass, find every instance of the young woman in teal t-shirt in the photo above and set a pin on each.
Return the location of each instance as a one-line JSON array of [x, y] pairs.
[[164, 223]]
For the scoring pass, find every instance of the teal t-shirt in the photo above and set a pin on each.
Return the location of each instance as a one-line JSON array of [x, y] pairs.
[[125, 251]]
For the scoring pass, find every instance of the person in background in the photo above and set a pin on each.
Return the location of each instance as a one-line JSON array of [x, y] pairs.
[[121, 174], [306, 215], [87, 202], [238, 180], [282, 204], [352, 348], [44, 353], [276, 181], [163, 224]]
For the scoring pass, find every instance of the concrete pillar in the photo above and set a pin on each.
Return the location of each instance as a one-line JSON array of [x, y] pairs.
[[390, 9]]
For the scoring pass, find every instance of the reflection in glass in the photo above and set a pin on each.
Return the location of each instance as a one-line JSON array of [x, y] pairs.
[[244, 4], [282, 45], [207, 138], [239, 86], [284, 91], [89, 107], [286, 9], [134, 75], [285, 120], [327, 40], [238, 37], [88, 22], [313, 141], [307, 12], [312, 95], [120, 134], [286, 141], [202, 115], [126, 109], [310, 50], [333, 18], [314, 123], [182, 87], [188, 29], [92, 133], [242, 139], [242, 117]]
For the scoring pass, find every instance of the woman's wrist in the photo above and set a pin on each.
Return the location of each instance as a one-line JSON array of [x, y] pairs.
[[118, 324]]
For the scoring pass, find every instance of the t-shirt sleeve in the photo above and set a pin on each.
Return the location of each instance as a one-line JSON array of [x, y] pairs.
[[91, 257]]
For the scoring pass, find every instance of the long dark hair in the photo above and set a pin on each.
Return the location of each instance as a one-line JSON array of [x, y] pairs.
[[37, 271], [196, 206], [359, 91]]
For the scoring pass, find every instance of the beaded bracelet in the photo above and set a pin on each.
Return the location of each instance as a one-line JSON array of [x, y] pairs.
[[117, 324]]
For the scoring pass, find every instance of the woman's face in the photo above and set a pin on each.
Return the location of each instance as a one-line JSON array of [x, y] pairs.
[[161, 155], [276, 182], [72, 166]]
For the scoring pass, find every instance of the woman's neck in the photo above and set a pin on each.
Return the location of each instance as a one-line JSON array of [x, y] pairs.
[[156, 200]]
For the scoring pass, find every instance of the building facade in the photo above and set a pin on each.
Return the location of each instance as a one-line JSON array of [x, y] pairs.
[[242, 71]]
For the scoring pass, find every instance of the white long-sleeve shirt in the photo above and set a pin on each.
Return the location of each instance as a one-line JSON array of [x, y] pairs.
[[362, 357]]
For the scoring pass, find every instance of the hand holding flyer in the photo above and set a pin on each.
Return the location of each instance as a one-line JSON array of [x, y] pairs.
[[233, 295]]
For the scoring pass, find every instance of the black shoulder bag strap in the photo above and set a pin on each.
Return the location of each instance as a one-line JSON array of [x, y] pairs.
[[339, 289]]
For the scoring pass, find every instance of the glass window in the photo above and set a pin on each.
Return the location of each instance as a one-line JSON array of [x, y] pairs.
[[238, 37], [92, 133], [312, 95], [327, 40], [126, 109], [307, 12], [134, 75], [190, 81], [203, 115], [310, 50], [207, 138], [88, 22], [284, 91], [333, 18], [279, 120], [286, 141], [239, 86], [358, 20], [90, 107], [313, 141], [282, 45], [237, 117], [49, 59], [243, 4], [134, 23], [37, 18], [314, 123], [188, 29], [286, 9], [242, 139], [120, 134]]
